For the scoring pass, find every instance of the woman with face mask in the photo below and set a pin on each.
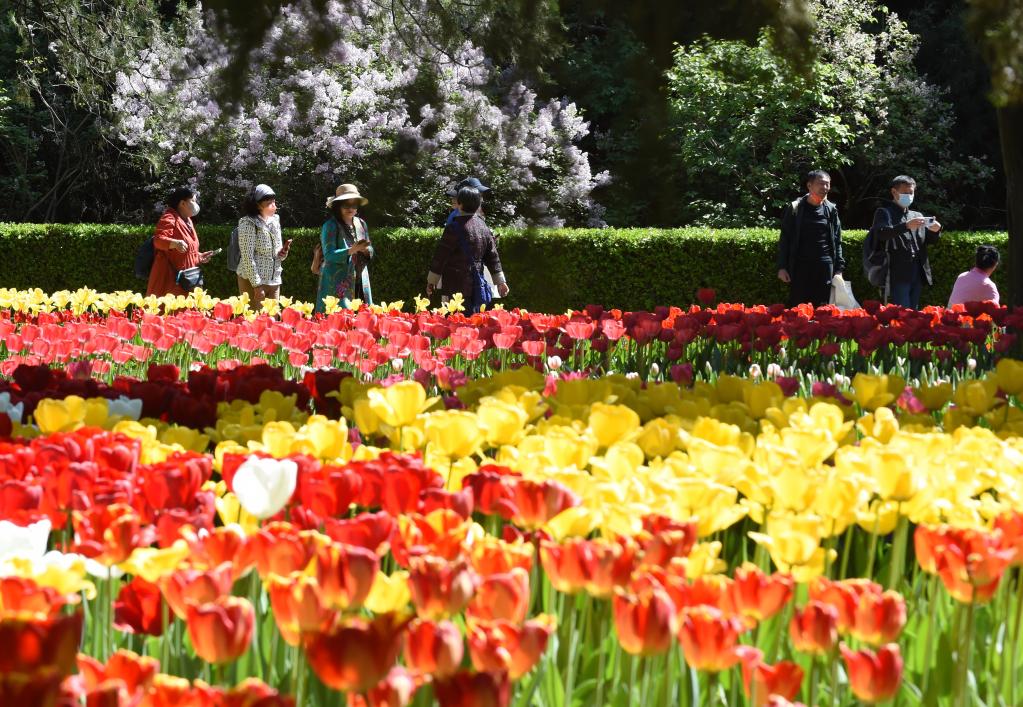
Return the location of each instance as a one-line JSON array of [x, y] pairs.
[[905, 235], [176, 246]]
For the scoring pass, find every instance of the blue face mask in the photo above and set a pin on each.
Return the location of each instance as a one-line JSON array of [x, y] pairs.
[[905, 200]]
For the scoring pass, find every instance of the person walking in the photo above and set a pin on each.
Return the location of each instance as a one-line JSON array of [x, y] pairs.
[[810, 243], [465, 247], [347, 250], [176, 247], [905, 235], [976, 285], [261, 249]]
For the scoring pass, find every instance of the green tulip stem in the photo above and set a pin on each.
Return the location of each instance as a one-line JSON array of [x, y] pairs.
[[898, 558]]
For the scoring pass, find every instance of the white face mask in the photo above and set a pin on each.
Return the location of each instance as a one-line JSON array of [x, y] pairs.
[[195, 207]]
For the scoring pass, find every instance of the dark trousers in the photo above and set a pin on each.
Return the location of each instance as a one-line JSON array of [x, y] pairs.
[[811, 282], [906, 291]]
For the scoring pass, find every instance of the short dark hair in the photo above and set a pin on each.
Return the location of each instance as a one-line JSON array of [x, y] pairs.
[[250, 207], [987, 257], [178, 195], [902, 179], [469, 199], [815, 174]]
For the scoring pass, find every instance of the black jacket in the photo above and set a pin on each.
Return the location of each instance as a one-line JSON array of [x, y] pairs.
[[889, 228], [449, 259], [788, 243]]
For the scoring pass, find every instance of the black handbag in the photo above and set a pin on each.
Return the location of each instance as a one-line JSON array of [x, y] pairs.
[[190, 279]]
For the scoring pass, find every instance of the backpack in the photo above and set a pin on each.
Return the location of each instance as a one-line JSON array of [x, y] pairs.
[[144, 258], [481, 294], [234, 253], [875, 260]]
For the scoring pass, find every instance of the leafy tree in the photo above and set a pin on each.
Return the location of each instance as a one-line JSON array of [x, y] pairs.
[[749, 124]]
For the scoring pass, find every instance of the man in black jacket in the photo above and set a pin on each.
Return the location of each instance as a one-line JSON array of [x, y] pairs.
[[810, 245], [905, 234]]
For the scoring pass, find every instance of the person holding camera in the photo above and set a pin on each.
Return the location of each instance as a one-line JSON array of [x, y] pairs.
[[345, 251], [905, 235]]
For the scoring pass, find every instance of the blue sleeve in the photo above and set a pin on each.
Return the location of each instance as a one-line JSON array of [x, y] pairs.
[[328, 238]]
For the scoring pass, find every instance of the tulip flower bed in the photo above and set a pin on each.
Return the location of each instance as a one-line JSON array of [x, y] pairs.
[[215, 508]]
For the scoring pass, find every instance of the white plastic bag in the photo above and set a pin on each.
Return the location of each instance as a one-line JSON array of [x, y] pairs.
[[842, 294]]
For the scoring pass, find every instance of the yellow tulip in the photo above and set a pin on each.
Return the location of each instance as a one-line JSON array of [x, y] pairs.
[[880, 424], [389, 594], [976, 397], [934, 397], [399, 404], [704, 560], [185, 437], [658, 438], [872, 392], [759, 398], [577, 522], [610, 423], [880, 515], [897, 476], [453, 433], [230, 510], [64, 415], [152, 563], [64, 573], [328, 439], [1009, 374], [503, 422]]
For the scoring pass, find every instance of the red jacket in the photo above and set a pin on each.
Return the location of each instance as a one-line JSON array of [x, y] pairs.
[[168, 262]]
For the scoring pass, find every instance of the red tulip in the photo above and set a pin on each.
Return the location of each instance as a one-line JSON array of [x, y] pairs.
[[757, 595], [874, 677], [279, 548], [492, 555], [536, 502], [221, 630], [356, 654], [41, 688], [440, 588], [501, 596], [594, 565], [844, 595], [646, 622], [109, 534], [23, 596], [433, 648], [709, 638], [253, 692], [814, 628], [369, 530], [395, 690], [34, 644], [466, 689], [665, 539], [970, 562], [130, 673], [139, 608]]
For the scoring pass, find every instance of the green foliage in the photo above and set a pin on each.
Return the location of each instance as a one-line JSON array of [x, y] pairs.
[[548, 269], [749, 125]]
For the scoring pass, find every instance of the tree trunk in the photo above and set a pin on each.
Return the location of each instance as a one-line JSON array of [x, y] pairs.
[[1010, 127]]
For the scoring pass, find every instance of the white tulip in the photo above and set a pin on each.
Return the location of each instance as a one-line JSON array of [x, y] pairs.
[[123, 406], [13, 411], [397, 364], [264, 486], [24, 540], [554, 362]]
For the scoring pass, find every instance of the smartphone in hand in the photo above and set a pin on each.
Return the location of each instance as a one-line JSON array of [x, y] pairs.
[[216, 252]]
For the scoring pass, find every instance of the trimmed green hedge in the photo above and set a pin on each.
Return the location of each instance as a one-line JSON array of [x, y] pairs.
[[547, 269]]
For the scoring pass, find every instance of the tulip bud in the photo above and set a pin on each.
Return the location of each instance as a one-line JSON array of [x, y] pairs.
[[434, 648], [874, 677], [646, 622], [554, 362], [221, 630], [264, 486], [814, 628]]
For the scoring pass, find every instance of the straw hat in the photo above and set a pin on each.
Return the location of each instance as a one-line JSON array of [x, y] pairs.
[[347, 192]]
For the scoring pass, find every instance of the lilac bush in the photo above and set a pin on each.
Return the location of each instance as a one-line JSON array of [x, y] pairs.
[[381, 108]]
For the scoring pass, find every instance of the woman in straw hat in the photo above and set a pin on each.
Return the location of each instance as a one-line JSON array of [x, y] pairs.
[[344, 240]]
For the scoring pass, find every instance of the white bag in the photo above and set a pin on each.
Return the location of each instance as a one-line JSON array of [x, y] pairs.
[[842, 294]]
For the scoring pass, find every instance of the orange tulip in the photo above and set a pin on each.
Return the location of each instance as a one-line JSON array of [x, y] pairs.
[[434, 648], [34, 644], [879, 618], [395, 690], [20, 595], [646, 622], [814, 628], [171, 691], [757, 595], [598, 566], [130, 673], [536, 502], [109, 534], [501, 596], [492, 555], [298, 606], [252, 692], [927, 543], [1010, 524], [761, 680], [709, 638], [345, 574], [499, 646], [192, 586], [844, 595], [970, 562], [279, 548], [223, 544], [466, 689], [874, 677], [221, 630], [665, 539], [440, 588], [441, 533], [356, 654]]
